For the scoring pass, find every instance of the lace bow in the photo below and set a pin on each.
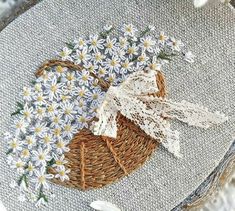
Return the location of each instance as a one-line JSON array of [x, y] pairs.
[[133, 100]]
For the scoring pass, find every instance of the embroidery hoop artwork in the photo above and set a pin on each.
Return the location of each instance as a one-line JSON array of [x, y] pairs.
[[88, 110]]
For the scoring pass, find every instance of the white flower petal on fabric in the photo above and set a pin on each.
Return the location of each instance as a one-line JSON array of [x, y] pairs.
[[15, 145], [175, 45], [27, 112], [52, 108], [68, 110], [69, 130], [62, 173], [13, 184], [95, 43], [21, 198], [84, 78], [189, 57], [24, 154], [40, 157], [39, 128], [162, 38], [147, 43], [132, 51], [40, 202], [20, 125], [151, 27], [104, 206], [126, 66], [82, 56], [98, 57], [65, 54], [142, 60], [113, 64], [59, 161], [123, 43], [18, 165], [60, 71], [39, 112], [30, 168], [61, 146], [42, 178], [30, 141], [110, 45], [53, 88], [108, 27], [80, 43], [129, 30], [27, 94]]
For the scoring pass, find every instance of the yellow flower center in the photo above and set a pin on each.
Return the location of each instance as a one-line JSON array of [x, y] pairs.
[[59, 69], [41, 179], [59, 162], [53, 88], [60, 144], [131, 50], [38, 129], [57, 131]]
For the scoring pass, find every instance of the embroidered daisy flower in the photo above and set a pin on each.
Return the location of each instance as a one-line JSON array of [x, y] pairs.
[[27, 93], [40, 112], [147, 43], [52, 108], [95, 82], [132, 51], [53, 89], [61, 146], [151, 27], [122, 43], [189, 57], [30, 168], [45, 77], [18, 165], [82, 56], [38, 87], [98, 58], [40, 157], [15, 145], [94, 95], [39, 129], [113, 64], [111, 78], [65, 54], [27, 112], [42, 178], [81, 91], [80, 43], [69, 130], [142, 59], [20, 125], [69, 77], [121, 54], [30, 142], [56, 120], [84, 78], [108, 27], [47, 140], [64, 98], [60, 71], [40, 99], [95, 43], [25, 153], [59, 161], [80, 105], [101, 71], [57, 132], [91, 67], [129, 30], [162, 38], [68, 110], [110, 45], [82, 120], [62, 174], [175, 45], [126, 66], [154, 65]]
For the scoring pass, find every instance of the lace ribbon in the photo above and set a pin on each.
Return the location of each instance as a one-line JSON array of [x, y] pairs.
[[133, 100]]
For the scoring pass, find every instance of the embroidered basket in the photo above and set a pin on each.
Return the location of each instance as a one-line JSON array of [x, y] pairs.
[[96, 161]]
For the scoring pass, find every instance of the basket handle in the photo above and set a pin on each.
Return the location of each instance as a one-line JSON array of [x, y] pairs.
[[103, 84]]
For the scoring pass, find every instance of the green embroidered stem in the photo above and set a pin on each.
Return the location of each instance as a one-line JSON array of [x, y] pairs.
[[147, 30], [20, 107], [104, 35], [42, 195], [70, 45], [50, 164], [165, 56], [23, 178]]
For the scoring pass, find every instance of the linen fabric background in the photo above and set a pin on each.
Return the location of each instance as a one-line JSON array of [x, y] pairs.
[[163, 181]]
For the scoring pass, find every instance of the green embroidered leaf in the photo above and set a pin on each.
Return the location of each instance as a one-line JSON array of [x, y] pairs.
[[70, 45], [9, 151], [165, 56], [104, 35], [20, 107]]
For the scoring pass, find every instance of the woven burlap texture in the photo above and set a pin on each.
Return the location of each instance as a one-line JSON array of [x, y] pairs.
[[163, 181]]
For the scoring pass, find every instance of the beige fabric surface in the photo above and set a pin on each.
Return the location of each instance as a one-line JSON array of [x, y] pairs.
[[164, 181]]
